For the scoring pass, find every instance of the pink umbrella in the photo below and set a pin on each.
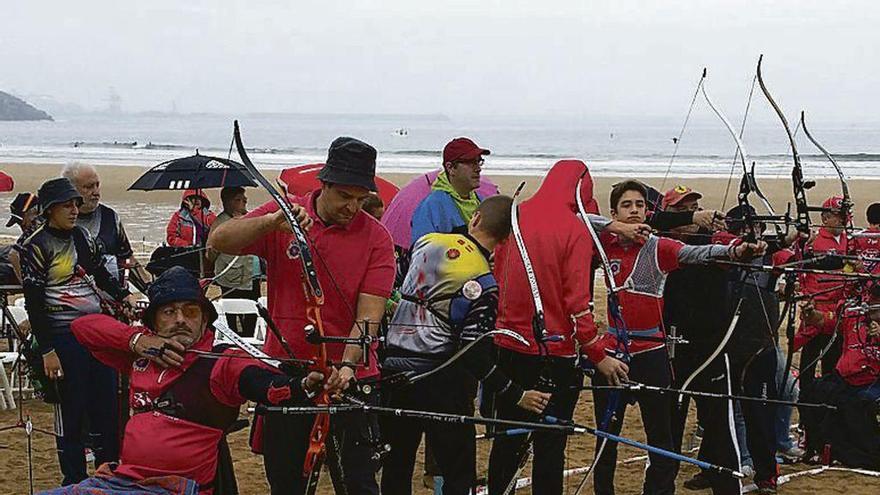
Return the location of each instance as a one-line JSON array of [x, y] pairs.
[[398, 214]]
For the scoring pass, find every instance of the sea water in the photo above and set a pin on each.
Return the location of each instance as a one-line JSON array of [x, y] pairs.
[[629, 146]]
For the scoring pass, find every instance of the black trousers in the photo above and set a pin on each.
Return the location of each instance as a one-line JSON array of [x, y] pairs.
[[350, 451], [453, 445], [549, 448], [811, 351], [759, 380], [650, 368], [88, 404], [243, 325]]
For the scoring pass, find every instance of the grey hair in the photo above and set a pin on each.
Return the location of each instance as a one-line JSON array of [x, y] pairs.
[[72, 169]]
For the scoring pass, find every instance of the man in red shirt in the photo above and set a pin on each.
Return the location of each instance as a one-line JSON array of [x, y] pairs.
[[832, 239], [853, 386], [185, 393], [639, 271], [868, 241], [355, 267]]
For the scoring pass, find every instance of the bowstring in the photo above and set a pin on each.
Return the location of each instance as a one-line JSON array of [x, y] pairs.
[[681, 133], [736, 153]]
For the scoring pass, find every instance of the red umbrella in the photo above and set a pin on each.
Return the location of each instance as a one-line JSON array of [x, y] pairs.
[[7, 184], [298, 181]]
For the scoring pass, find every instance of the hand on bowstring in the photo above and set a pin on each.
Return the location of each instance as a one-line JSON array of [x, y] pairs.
[[748, 250], [163, 351], [614, 370], [809, 315], [710, 220], [312, 383], [636, 233], [796, 236], [129, 307], [873, 329], [302, 218], [336, 384], [534, 401]]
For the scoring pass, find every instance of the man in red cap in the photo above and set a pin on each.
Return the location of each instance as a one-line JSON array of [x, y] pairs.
[[829, 239], [453, 199]]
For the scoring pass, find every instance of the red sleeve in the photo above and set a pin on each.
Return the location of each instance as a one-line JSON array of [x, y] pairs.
[[260, 247], [379, 276], [576, 286], [226, 373], [172, 232], [782, 256], [107, 339], [667, 254]]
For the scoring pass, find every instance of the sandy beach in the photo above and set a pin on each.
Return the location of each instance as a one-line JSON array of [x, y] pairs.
[[145, 216]]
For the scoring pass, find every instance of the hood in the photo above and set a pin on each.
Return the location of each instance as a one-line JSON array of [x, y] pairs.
[[197, 192], [557, 188]]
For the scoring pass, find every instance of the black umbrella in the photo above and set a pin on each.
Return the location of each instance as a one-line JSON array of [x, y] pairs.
[[194, 172]]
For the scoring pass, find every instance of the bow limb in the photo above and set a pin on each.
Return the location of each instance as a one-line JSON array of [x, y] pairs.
[[797, 176], [844, 188], [614, 302], [748, 175], [314, 300], [802, 221]]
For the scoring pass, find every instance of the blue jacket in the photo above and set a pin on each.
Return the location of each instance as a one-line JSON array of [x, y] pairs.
[[437, 213]]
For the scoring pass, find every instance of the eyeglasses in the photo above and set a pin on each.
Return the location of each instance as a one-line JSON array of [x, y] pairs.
[[189, 310], [478, 162]]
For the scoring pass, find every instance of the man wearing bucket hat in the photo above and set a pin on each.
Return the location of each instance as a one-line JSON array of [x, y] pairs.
[[61, 276], [186, 392], [354, 260]]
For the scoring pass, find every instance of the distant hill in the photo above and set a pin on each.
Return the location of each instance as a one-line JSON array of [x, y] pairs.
[[12, 108]]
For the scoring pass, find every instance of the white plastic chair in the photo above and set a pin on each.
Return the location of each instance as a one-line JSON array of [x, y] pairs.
[[7, 401], [245, 307]]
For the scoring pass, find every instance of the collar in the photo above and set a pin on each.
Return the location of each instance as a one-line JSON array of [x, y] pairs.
[[62, 234], [485, 252], [824, 232]]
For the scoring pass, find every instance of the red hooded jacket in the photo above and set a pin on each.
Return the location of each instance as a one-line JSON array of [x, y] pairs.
[[561, 250], [190, 227]]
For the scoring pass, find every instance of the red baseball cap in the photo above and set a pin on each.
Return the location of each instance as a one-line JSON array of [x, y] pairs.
[[836, 203], [462, 149], [678, 194]]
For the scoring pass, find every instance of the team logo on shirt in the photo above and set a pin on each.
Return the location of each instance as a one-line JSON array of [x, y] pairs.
[[471, 290], [452, 253], [140, 364], [615, 266], [293, 250]]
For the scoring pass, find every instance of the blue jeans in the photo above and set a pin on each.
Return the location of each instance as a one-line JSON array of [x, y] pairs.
[[88, 404], [783, 413], [739, 422]]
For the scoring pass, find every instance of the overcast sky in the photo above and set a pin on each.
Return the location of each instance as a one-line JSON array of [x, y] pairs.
[[505, 57]]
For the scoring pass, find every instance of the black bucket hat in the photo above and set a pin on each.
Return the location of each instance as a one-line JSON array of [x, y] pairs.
[[350, 162], [19, 206], [56, 191], [174, 285]]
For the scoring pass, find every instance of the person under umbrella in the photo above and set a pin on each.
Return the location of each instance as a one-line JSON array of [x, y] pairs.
[[189, 226]]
